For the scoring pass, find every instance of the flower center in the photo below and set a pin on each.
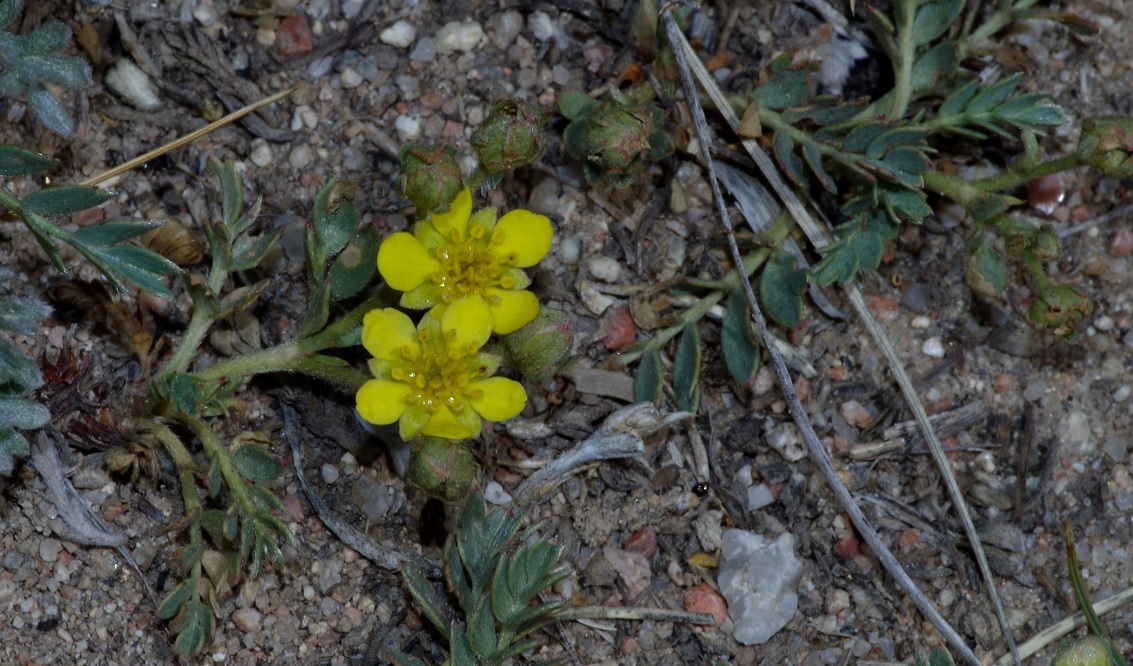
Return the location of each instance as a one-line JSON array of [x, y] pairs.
[[440, 375], [469, 266]]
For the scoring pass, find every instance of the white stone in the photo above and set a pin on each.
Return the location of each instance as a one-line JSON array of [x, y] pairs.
[[494, 493], [129, 81], [350, 78], [920, 321], [408, 127], [933, 347], [456, 36], [300, 156], [759, 497], [570, 250], [541, 26], [261, 154], [784, 438], [205, 15], [758, 577], [606, 269], [329, 473], [400, 34], [594, 300]]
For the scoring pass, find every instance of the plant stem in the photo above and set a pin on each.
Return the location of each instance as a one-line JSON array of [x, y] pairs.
[[216, 450], [293, 355], [1018, 175], [906, 54], [199, 326]]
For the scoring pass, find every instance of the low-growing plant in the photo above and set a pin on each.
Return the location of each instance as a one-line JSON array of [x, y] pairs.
[[31, 64]]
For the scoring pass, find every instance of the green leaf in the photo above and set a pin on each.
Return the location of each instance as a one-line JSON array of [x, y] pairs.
[[114, 231], [16, 161], [786, 84], [176, 598], [194, 626], [647, 381], [789, 163], [49, 37], [986, 272], [139, 266], [934, 18], [318, 311], [59, 70], [939, 62], [22, 315], [813, 156], [934, 657], [891, 139], [781, 286], [9, 12], [955, 104], [402, 659], [12, 445], [686, 369], [49, 111], [65, 199], [460, 650], [248, 252], [354, 266], [482, 629], [231, 192], [992, 96], [335, 218], [255, 464], [575, 105], [22, 413], [741, 355]]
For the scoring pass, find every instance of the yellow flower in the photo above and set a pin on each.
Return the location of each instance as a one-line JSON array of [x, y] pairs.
[[455, 255], [432, 377]]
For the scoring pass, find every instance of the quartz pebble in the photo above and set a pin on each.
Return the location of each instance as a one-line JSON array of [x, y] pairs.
[[570, 250], [205, 15], [350, 78], [606, 269], [456, 36], [329, 473], [933, 347], [408, 128], [247, 620], [541, 26], [494, 493], [759, 497], [261, 154], [299, 157], [505, 28], [401, 34], [758, 577], [49, 549], [425, 51]]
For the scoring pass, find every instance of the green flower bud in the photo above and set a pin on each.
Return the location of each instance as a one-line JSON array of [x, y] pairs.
[[541, 348], [443, 468], [1060, 309], [1046, 245], [1088, 651], [1107, 144], [510, 137], [616, 140], [430, 176]]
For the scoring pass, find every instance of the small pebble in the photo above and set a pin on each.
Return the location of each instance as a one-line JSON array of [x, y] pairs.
[[247, 620], [933, 347], [49, 549], [1122, 393], [261, 153], [350, 78], [457, 36], [351, 8], [541, 26], [920, 321], [408, 128], [570, 250], [1121, 243], [400, 34], [293, 36], [759, 497], [855, 414], [205, 15], [494, 493], [505, 28], [425, 51], [300, 156], [606, 269], [329, 472], [621, 331], [1104, 323], [1034, 390]]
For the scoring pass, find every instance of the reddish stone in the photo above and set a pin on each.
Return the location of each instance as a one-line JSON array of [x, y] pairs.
[[1120, 243], [643, 541], [1046, 192], [908, 538], [848, 547], [620, 329], [88, 217], [293, 36], [883, 307], [704, 599]]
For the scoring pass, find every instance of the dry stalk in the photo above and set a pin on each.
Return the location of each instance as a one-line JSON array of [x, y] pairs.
[[687, 58]]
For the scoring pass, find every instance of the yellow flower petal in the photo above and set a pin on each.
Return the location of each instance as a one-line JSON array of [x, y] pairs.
[[386, 332], [499, 398], [511, 310], [444, 423], [404, 262], [456, 218], [381, 402], [469, 321], [521, 238]]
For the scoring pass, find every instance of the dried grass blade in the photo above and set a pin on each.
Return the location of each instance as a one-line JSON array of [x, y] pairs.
[[686, 57]]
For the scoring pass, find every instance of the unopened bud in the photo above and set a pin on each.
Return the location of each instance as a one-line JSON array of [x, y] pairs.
[[430, 176], [510, 137], [1060, 309], [541, 348], [617, 139], [443, 468], [1107, 144], [1088, 651]]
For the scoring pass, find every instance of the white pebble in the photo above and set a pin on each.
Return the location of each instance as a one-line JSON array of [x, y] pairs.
[[351, 8], [261, 153], [408, 127], [456, 36], [933, 347], [594, 300], [541, 26], [329, 472], [300, 156], [494, 493], [1122, 393], [129, 81], [920, 321], [570, 250], [205, 15], [400, 34], [350, 78], [759, 497], [606, 269], [1104, 323], [304, 117]]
